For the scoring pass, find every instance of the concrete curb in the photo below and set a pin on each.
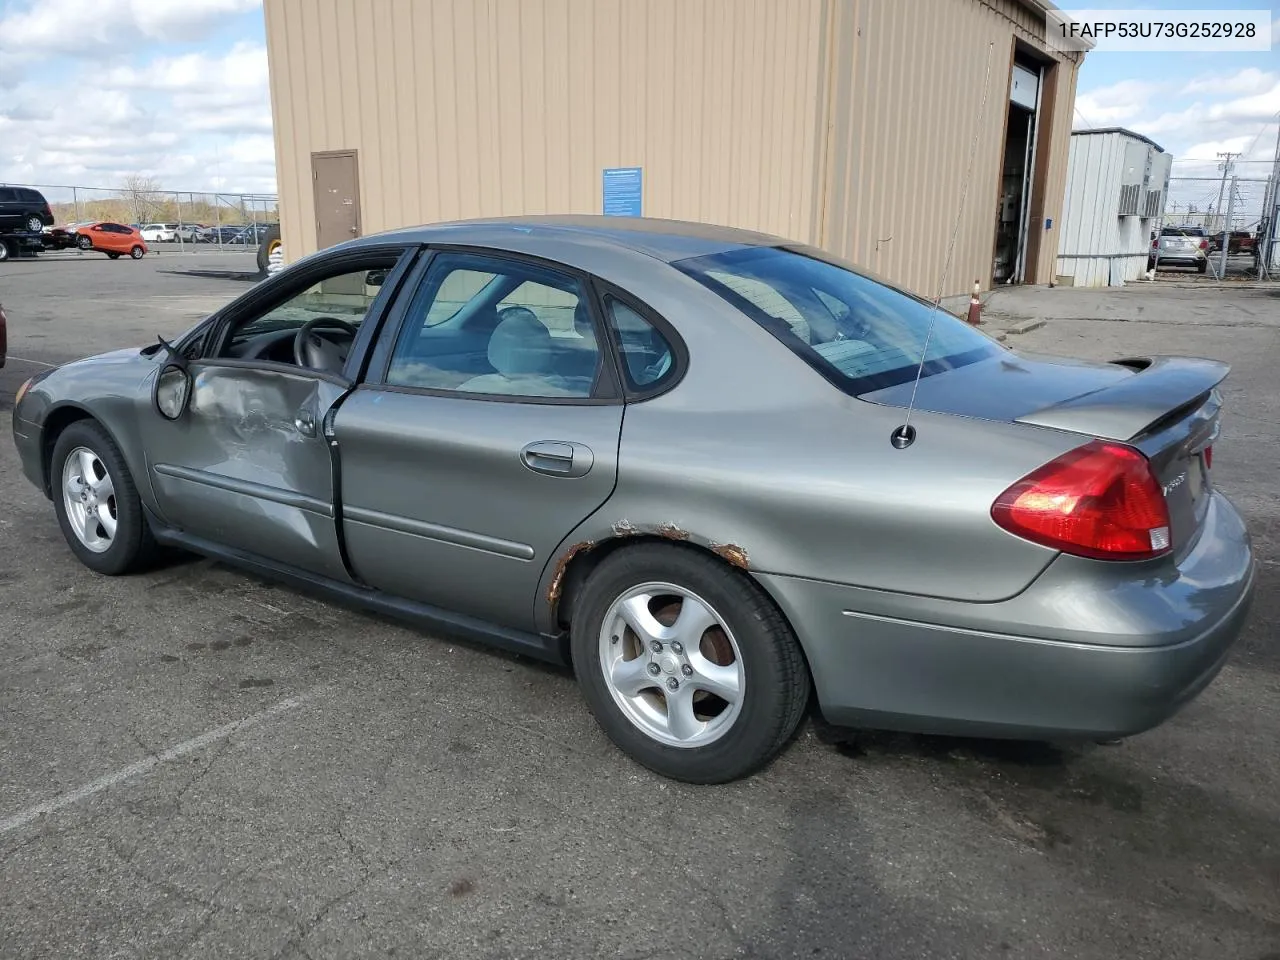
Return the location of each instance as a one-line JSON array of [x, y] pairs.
[[1026, 326]]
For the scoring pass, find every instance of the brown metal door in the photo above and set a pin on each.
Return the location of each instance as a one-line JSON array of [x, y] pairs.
[[337, 190]]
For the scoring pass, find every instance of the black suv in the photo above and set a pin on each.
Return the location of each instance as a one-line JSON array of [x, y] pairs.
[[22, 208]]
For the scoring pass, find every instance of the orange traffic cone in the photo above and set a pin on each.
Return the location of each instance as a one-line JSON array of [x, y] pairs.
[[975, 307]]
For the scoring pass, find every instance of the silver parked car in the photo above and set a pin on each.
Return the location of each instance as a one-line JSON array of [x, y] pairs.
[[1180, 247], [679, 458]]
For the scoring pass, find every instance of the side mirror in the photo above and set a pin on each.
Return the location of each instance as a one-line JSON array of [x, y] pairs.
[[173, 385], [375, 278], [172, 391]]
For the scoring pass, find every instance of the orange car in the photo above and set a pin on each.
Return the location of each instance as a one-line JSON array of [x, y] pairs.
[[113, 239]]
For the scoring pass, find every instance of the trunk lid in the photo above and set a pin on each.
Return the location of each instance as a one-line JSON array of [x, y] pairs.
[[1166, 407]]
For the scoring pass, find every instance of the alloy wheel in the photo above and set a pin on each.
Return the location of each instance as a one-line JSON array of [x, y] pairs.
[[89, 496], [672, 665]]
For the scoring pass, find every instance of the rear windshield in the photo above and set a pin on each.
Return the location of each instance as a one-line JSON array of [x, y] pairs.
[[860, 334]]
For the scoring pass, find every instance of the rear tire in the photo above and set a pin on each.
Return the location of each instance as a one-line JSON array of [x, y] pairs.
[[85, 455], [35, 225], [1203, 267], [270, 243], [746, 647], [4, 250]]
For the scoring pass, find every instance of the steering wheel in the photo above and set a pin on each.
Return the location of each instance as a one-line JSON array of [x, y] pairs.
[[314, 351]]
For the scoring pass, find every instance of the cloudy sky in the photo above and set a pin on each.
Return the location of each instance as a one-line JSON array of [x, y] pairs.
[[94, 90], [1195, 105]]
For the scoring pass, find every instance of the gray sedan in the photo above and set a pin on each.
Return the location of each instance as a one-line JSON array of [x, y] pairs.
[[710, 470]]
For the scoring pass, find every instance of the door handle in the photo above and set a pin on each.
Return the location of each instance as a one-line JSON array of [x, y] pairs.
[[558, 458]]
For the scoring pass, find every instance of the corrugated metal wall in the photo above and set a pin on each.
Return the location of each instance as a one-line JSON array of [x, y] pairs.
[[1097, 246], [776, 115], [464, 108], [908, 96]]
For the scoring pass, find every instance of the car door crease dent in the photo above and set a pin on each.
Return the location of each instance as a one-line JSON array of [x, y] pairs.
[[248, 488]]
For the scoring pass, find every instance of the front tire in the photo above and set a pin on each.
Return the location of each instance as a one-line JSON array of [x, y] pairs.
[[97, 503], [136, 253], [4, 250], [84, 243], [686, 664]]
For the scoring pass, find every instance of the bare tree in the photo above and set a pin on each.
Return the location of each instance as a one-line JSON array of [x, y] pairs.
[[142, 194]]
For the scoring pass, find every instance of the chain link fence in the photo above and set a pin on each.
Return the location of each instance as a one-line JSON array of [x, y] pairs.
[[1217, 226], [186, 220]]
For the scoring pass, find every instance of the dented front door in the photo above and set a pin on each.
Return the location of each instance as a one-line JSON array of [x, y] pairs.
[[248, 466]]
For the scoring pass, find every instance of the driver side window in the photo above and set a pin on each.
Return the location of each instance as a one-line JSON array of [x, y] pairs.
[[269, 335]]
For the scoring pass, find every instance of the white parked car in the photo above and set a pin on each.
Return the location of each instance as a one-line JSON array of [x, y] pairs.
[[160, 232]]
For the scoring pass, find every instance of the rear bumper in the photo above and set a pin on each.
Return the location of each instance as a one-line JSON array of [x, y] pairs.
[[1072, 656]]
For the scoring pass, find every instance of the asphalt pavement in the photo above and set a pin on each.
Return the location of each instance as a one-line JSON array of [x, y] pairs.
[[196, 763]]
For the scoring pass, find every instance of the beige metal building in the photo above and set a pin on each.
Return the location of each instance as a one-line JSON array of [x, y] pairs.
[[847, 124]]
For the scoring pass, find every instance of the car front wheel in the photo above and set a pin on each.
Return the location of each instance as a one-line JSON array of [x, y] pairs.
[[136, 253], [84, 243], [97, 503], [686, 664]]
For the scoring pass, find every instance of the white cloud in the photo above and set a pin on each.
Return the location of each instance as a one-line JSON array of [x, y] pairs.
[[52, 27], [187, 120], [1116, 104]]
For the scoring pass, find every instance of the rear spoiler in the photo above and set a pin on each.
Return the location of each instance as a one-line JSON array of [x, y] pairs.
[[1160, 388]]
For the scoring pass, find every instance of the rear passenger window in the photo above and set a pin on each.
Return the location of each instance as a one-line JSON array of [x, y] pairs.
[[497, 327], [647, 356]]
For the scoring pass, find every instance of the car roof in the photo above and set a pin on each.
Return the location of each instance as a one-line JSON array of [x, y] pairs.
[[665, 240]]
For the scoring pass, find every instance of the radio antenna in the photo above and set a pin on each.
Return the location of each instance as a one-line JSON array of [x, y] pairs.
[[903, 436]]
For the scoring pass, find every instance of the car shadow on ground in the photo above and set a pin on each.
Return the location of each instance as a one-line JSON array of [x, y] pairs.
[[245, 276]]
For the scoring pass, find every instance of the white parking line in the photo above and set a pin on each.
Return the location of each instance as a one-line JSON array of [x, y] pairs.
[[175, 752], [38, 363]]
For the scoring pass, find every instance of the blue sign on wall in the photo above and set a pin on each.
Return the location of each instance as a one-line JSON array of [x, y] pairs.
[[623, 192]]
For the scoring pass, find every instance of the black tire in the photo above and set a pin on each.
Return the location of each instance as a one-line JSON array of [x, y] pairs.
[[778, 684], [5, 252], [84, 243], [137, 253], [113, 256], [1203, 267], [133, 547], [270, 241], [35, 224]]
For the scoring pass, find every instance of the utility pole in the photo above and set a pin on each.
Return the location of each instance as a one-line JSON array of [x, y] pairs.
[[1226, 167], [1226, 235]]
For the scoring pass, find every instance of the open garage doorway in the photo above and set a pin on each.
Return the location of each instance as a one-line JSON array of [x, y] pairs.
[[1018, 167]]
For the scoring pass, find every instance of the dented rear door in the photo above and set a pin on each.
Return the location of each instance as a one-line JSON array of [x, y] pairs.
[[248, 466]]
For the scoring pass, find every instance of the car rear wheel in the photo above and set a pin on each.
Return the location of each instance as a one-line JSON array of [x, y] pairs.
[[84, 243], [35, 225], [97, 502], [136, 253], [270, 244], [686, 664], [4, 250]]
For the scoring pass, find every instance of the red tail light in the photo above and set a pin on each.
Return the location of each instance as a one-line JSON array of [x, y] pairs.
[[1100, 500], [1208, 457], [1204, 244]]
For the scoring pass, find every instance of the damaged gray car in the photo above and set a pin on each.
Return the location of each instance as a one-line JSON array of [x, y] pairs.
[[721, 475]]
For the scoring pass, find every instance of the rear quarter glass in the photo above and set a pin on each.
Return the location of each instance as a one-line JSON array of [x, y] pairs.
[[859, 333]]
